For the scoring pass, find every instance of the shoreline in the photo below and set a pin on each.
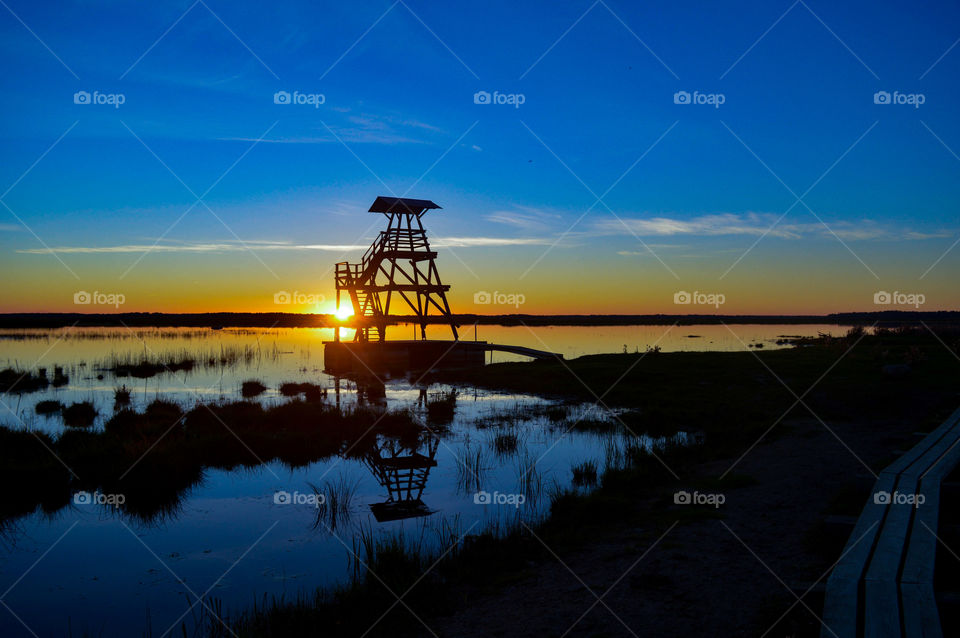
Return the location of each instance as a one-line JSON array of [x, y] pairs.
[[296, 320]]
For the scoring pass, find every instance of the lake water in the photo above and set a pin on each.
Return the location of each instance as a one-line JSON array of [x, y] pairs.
[[242, 534]]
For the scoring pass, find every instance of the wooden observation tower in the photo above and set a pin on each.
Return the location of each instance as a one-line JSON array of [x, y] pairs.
[[398, 263]]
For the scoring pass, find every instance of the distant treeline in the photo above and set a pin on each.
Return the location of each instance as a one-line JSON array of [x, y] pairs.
[[291, 320]]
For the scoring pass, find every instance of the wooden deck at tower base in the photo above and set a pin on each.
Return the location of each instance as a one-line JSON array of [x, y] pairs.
[[359, 357]]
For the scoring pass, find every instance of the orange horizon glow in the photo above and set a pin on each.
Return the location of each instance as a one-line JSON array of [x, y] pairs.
[[564, 287]]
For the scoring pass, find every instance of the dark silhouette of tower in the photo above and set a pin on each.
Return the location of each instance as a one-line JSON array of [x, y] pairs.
[[399, 263]]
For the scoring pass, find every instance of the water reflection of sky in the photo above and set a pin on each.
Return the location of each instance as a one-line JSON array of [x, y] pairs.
[[90, 568]]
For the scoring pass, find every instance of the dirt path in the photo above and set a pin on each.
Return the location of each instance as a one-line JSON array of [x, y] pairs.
[[724, 576]]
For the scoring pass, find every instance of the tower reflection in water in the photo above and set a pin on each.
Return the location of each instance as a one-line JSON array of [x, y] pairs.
[[402, 468]]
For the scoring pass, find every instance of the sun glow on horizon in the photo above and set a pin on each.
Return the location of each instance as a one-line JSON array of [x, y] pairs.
[[344, 312]]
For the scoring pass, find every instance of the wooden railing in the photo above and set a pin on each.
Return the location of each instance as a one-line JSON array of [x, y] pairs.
[[348, 274], [883, 583]]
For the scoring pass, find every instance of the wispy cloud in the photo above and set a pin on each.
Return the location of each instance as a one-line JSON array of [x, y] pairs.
[[647, 253], [388, 122], [754, 224], [347, 134], [468, 242], [267, 245], [719, 224], [525, 218], [363, 128], [193, 247], [937, 235]]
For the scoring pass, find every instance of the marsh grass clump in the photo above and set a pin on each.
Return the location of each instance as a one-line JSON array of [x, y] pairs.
[[530, 481], [556, 413], [47, 408], [585, 474], [510, 416], [335, 502], [80, 415], [121, 397], [148, 364], [614, 454], [389, 556], [472, 465], [590, 424], [291, 389], [59, 378], [310, 391], [21, 381], [41, 480], [147, 369], [252, 388], [505, 443], [442, 407]]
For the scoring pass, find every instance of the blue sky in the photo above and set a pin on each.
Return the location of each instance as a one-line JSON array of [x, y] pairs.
[[691, 187]]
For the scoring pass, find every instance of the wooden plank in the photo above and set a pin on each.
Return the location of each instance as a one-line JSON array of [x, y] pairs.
[[885, 562], [840, 608], [881, 606], [881, 602], [922, 546], [898, 537], [948, 460], [842, 600], [922, 543], [920, 615], [921, 551], [855, 557], [881, 612], [923, 446]]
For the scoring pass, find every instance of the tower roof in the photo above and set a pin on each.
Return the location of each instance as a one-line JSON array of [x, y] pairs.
[[401, 205]]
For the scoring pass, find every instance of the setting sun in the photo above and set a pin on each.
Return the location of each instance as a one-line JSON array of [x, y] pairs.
[[344, 312]]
